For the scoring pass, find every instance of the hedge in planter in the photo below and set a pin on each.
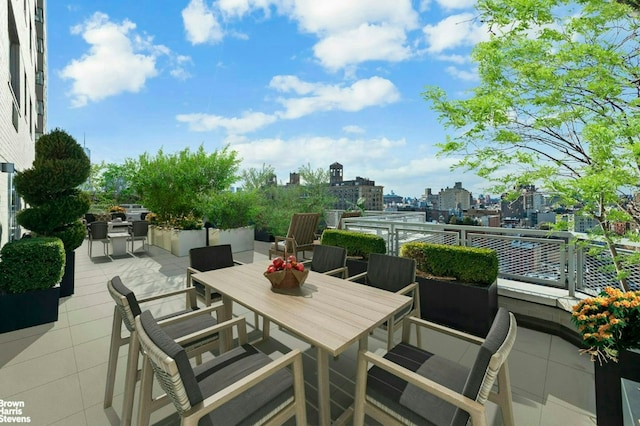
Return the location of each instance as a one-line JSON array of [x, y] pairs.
[[56, 205], [358, 246], [29, 270], [458, 286]]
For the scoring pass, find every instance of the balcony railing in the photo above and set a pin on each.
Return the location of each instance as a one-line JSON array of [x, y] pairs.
[[547, 258]]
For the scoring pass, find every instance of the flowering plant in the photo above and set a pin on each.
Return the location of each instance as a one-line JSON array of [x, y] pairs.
[[609, 323]]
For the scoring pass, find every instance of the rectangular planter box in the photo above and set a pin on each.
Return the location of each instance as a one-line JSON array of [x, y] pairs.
[[612, 407], [160, 238], [182, 241], [457, 305], [24, 310], [241, 239]]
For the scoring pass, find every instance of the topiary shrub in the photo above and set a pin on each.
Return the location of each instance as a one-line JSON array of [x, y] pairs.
[[50, 189], [356, 243], [31, 264], [228, 210], [473, 265]]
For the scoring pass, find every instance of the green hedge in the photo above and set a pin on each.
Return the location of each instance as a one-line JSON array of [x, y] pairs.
[[31, 264], [356, 243], [472, 265]]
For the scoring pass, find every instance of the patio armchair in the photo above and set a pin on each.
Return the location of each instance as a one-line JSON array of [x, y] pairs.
[[396, 274], [97, 232], [346, 215], [139, 231], [329, 260], [176, 324], [241, 386], [209, 258], [300, 236], [410, 385]]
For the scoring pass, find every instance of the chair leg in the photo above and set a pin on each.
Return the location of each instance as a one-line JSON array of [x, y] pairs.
[[130, 379], [116, 342], [146, 397], [503, 398]]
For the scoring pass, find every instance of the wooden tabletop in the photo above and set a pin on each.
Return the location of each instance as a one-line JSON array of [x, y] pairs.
[[326, 311]]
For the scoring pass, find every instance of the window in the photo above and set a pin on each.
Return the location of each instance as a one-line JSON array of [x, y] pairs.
[[40, 77], [14, 58], [39, 16], [40, 45], [40, 107]]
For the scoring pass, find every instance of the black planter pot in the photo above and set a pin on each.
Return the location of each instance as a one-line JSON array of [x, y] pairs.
[[67, 285], [24, 310], [457, 305], [263, 235], [608, 380]]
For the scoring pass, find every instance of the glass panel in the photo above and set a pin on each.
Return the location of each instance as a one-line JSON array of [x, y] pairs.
[[630, 402]]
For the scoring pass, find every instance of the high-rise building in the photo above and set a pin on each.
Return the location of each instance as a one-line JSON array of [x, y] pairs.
[[22, 98], [456, 198], [348, 192]]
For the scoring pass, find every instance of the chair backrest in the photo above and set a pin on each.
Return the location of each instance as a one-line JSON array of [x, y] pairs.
[[126, 301], [347, 215], [90, 217], [302, 227], [391, 273], [169, 362], [98, 230], [327, 258], [140, 228], [212, 257], [491, 355], [118, 215]]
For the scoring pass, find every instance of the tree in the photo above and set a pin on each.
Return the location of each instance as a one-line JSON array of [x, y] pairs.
[[50, 188], [557, 105], [316, 196], [177, 185]]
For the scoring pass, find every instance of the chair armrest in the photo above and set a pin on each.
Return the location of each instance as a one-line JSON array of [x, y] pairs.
[[475, 409], [419, 322], [225, 395], [357, 276], [342, 270], [218, 308], [408, 289], [237, 262], [214, 329], [163, 295], [190, 271]]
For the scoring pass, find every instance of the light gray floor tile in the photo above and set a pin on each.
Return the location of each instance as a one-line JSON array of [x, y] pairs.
[[555, 414], [88, 331], [564, 353], [35, 346], [77, 419], [528, 372], [564, 392], [532, 342]]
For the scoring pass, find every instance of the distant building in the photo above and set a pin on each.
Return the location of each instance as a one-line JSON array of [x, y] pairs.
[[23, 72], [577, 223], [392, 199], [456, 198], [429, 199], [294, 179], [348, 192]]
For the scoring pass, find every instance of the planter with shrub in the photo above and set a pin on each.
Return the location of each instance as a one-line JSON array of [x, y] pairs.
[[358, 246], [232, 216], [458, 285], [56, 205], [29, 271]]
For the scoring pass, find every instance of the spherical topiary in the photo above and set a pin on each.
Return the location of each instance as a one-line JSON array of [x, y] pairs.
[[31, 264], [49, 187]]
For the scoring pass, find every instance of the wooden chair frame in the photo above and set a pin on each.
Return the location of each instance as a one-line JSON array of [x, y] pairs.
[[300, 236]]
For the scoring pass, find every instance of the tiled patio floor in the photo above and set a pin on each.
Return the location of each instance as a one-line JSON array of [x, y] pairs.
[[58, 370]]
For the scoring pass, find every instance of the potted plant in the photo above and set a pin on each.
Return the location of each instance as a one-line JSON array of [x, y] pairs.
[[458, 285], [232, 218], [610, 328], [358, 246], [29, 271], [56, 205]]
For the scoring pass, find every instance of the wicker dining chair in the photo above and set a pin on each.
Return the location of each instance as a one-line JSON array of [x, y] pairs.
[[139, 231], [329, 260], [410, 385], [240, 386], [177, 324], [98, 232]]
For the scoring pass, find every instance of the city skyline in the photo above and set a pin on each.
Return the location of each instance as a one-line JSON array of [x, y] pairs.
[[284, 83]]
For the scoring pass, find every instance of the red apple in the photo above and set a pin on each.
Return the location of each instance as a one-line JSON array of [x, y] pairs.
[[287, 266], [299, 267], [278, 262], [292, 259], [271, 269]]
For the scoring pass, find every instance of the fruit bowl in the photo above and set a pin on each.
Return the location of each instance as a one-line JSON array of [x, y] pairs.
[[286, 274]]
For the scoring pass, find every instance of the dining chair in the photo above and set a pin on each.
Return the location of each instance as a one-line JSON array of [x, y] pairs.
[[300, 236], [346, 215], [177, 324], [209, 258], [98, 231], [410, 385], [396, 274], [139, 231], [240, 386], [329, 260]]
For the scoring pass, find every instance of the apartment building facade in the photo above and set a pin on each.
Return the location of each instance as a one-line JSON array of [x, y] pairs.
[[22, 98]]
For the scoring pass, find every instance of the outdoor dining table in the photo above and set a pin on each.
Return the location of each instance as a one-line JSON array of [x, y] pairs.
[[327, 312]]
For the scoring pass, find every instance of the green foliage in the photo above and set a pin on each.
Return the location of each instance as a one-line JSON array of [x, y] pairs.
[[356, 243], [31, 264], [228, 210], [474, 265], [50, 188], [556, 106], [110, 183], [176, 185]]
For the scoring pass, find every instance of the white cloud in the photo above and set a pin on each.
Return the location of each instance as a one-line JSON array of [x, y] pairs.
[[201, 23], [364, 43], [115, 62], [463, 74], [248, 122], [323, 97], [456, 4], [455, 31], [353, 129]]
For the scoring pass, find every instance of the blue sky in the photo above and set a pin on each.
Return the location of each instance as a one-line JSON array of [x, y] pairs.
[[283, 82]]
